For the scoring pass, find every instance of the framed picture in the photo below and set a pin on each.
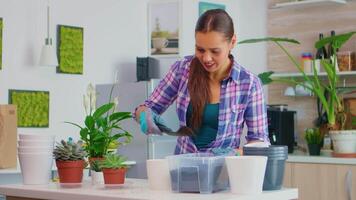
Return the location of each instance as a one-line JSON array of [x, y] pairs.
[[70, 49], [1, 26], [32, 107], [204, 6], [163, 27]]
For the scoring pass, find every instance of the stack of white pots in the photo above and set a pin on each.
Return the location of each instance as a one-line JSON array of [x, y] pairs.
[[36, 158]]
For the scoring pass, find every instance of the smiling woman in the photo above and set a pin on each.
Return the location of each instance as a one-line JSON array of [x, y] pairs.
[[215, 95]]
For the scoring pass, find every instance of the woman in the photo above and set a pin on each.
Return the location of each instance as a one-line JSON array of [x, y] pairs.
[[215, 96]]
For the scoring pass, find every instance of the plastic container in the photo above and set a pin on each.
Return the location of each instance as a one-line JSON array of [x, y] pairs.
[[198, 172], [277, 156], [346, 60]]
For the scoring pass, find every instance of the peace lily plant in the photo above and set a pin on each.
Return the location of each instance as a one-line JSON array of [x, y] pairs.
[[333, 102], [100, 123]]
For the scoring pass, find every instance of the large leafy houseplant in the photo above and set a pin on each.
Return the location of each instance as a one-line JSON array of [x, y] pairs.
[[333, 102], [98, 133]]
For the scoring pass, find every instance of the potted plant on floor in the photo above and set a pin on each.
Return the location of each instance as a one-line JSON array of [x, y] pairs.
[[314, 139], [333, 101], [102, 126], [70, 162], [114, 169]]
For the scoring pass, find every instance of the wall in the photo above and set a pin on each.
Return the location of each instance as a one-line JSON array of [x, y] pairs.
[[304, 24], [115, 33]]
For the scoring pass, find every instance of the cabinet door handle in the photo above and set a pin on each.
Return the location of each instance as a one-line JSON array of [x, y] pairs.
[[348, 184]]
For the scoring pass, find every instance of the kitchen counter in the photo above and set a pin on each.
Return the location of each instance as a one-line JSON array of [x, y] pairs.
[[301, 157], [132, 189]]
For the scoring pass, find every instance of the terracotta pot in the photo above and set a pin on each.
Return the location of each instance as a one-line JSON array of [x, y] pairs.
[[114, 176], [70, 171]]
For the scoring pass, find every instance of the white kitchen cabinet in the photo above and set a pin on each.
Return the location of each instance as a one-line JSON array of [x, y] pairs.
[[321, 181]]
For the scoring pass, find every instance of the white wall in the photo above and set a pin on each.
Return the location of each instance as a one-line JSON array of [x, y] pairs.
[[115, 33]]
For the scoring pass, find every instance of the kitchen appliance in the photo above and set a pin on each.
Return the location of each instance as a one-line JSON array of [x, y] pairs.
[[281, 125]]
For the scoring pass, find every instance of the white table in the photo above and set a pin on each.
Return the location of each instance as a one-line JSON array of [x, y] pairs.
[[132, 189]]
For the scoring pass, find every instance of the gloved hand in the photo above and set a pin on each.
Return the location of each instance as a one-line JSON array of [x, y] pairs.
[[223, 151], [150, 122]]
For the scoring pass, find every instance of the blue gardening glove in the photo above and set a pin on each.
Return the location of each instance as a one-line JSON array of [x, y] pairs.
[[149, 121], [223, 151]]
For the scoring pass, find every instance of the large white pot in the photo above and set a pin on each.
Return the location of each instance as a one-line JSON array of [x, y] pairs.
[[246, 173], [344, 141], [36, 168], [158, 174]]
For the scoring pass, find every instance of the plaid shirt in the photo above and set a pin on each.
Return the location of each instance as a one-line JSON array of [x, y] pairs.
[[241, 101]]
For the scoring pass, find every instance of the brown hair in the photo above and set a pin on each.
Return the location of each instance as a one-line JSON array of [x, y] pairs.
[[198, 83]]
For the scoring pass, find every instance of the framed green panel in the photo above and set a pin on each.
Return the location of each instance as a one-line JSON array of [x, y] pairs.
[[70, 49], [1, 27], [205, 6], [32, 107]]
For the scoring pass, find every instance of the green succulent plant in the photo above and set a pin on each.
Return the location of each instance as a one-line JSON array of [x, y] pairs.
[[313, 136], [96, 165], [69, 151], [113, 161]]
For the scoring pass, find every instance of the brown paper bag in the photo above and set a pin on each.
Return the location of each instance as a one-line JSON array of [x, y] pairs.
[[8, 136]]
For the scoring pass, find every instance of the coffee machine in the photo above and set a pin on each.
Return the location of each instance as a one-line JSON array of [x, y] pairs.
[[281, 125]]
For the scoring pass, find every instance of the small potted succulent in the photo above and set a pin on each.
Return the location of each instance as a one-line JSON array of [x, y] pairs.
[[114, 169], [97, 176], [70, 162], [314, 139]]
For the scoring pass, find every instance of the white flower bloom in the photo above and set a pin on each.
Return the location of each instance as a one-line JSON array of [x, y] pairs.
[[90, 91], [116, 102], [93, 102], [85, 103]]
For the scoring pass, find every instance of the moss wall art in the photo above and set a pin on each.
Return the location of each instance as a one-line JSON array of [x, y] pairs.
[[32, 107], [70, 49], [1, 25]]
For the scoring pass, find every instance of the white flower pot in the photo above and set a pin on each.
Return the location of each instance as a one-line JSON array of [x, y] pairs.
[[246, 173], [36, 168], [97, 178], [344, 141], [158, 174]]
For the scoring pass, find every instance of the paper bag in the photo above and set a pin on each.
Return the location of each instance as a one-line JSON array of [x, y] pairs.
[[350, 108], [8, 136]]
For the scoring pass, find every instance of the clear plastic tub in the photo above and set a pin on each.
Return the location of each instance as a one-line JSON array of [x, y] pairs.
[[198, 172]]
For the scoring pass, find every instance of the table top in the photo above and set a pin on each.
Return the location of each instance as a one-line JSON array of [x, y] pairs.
[[132, 189]]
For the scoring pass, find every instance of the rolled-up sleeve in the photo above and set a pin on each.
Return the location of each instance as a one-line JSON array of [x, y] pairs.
[[256, 113]]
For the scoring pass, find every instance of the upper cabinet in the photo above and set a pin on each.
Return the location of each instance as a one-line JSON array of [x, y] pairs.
[[304, 3]]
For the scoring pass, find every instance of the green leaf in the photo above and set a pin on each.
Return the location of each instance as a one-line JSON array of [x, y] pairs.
[[102, 110], [74, 124], [89, 122], [99, 137], [266, 77], [337, 41], [118, 116], [84, 134], [269, 39], [102, 122]]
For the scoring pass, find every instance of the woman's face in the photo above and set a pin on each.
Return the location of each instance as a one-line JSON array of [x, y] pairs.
[[212, 49]]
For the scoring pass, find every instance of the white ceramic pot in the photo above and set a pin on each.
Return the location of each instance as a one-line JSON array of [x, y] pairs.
[[97, 178], [36, 168], [47, 150], [158, 174], [23, 136], [344, 141], [246, 173], [36, 143]]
